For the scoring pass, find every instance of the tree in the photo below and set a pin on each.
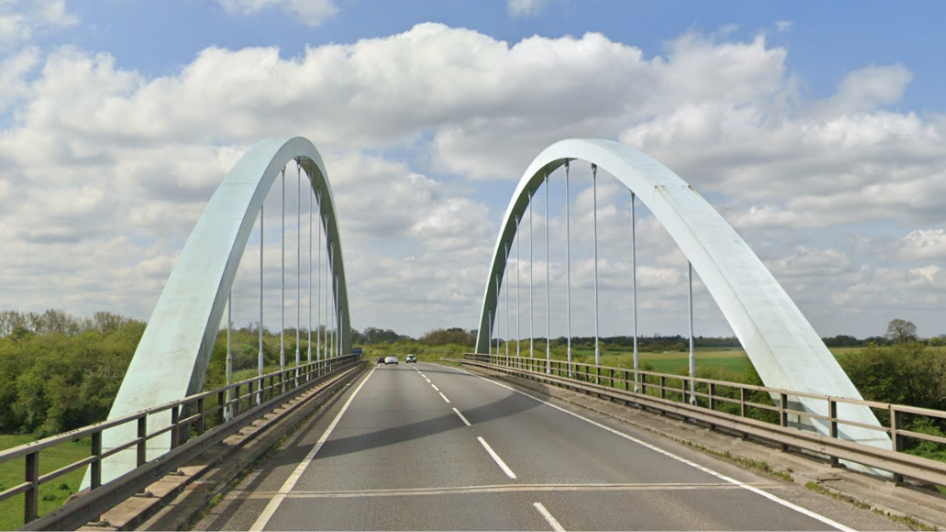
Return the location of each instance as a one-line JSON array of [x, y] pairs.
[[453, 335], [901, 331]]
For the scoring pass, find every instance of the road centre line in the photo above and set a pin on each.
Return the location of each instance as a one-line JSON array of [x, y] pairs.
[[435, 387], [463, 419], [277, 499], [804, 511], [444, 397], [556, 526], [496, 458]]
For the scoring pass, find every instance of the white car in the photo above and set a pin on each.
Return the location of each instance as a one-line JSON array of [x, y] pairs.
[[410, 358], [390, 360]]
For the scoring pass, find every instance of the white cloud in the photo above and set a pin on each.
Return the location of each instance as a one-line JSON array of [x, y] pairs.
[[525, 8], [869, 88], [410, 126], [310, 12], [783, 26], [20, 20], [925, 244]]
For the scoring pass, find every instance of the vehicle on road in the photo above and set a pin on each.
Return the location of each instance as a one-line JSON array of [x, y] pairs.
[[410, 358], [380, 360], [390, 360]]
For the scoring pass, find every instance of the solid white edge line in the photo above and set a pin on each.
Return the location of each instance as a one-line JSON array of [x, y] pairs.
[[556, 526], [277, 499], [463, 419], [496, 458], [444, 397], [804, 511]]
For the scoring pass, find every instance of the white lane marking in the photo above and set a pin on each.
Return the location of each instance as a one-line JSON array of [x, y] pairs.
[[435, 387], [428, 380], [556, 526], [273, 505], [444, 397], [463, 419], [496, 457], [778, 500], [497, 488]]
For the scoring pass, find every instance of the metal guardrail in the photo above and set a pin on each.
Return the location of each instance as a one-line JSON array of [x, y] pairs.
[[671, 394], [197, 422]]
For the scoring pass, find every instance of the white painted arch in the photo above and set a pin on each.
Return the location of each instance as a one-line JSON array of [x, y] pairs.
[[781, 344], [171, 360]]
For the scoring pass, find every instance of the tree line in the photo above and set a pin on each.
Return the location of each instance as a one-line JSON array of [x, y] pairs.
[[62, 372]]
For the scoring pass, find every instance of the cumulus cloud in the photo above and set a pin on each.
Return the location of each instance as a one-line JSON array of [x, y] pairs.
[[310, 12], [20, 20], [869, 88], [925, 244], [409, 124]]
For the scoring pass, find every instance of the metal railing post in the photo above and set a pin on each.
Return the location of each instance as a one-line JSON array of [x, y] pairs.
[[142, 447], [175, 428], [896, 440], [236, 401], [200, 416], [31, 495], [96, 467], [221, 401], [742, 402], [833, 427]]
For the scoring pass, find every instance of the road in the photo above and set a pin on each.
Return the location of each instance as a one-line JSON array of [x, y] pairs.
[[431, 447]]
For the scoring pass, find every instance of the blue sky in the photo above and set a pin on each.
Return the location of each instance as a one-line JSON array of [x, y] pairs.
[[815, 128], [826, 39]]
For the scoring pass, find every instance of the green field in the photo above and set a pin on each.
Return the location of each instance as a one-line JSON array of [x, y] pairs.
[[53, 494]]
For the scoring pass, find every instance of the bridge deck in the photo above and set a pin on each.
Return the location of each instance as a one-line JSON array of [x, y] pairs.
[[400, 457]]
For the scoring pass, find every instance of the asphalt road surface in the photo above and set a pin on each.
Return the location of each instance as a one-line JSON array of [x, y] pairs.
[[430, 447]]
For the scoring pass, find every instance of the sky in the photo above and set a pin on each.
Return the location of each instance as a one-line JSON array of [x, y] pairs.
[[816, 130]]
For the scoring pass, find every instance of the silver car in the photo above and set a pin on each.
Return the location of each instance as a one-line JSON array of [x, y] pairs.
[[391, 359]]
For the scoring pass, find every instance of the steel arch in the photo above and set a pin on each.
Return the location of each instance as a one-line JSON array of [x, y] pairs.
[[172, 357], [781, 344]]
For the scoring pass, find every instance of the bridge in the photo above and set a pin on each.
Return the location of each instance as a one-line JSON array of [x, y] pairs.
[[506, 437]]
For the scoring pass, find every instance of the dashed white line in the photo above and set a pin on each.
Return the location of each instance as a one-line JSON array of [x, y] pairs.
[[463, 419], [444, 397], [496, 458], [753, 489], [435, 387], [274, 503], [556, 526]]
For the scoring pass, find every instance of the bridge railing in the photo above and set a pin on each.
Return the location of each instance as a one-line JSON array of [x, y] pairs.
[[759, 411], [193, 417]]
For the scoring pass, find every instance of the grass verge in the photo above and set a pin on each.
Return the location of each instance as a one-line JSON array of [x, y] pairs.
[[903, 519]]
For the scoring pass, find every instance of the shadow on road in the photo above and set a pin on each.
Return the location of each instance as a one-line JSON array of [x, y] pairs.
[[505, 407]]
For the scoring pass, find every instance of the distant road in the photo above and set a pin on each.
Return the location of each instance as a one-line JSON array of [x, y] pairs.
[[428, 447]]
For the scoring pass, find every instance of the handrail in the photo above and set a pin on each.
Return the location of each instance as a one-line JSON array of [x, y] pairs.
[[703, 405], [258, 397]]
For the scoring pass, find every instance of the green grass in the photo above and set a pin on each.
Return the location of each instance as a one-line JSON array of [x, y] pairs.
[[52, 494]]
